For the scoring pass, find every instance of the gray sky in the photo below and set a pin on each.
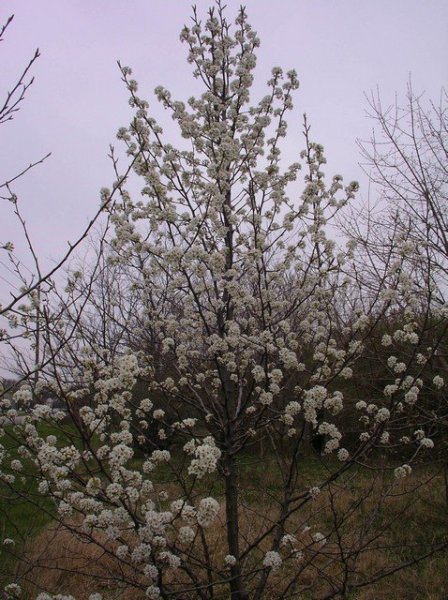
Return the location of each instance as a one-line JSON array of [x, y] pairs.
[[340, 49]]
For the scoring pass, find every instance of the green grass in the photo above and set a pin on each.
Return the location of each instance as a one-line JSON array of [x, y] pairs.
[[24, 512]]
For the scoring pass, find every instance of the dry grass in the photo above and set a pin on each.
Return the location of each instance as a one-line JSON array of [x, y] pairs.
[[61, 561]]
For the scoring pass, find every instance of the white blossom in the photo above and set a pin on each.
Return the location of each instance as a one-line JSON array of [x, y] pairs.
[[438, 382], [229, 560], [343, 454], [186, 535], [403, 471], [206, 458], [272, 560], [207, 511], [314, 492], [426, 443]]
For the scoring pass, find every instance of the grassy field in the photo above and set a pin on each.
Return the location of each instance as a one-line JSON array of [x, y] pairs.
[[415, 520]]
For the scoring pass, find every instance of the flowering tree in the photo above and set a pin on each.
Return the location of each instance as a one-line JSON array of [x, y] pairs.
[[401, 239], [230, 320]]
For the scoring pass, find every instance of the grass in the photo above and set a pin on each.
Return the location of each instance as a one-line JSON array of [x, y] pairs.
[[67, 564], [23, 511]]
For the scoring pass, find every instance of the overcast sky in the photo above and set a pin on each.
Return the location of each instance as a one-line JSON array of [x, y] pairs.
[[341, 49]]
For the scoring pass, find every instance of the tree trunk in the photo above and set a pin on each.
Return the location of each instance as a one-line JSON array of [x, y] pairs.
[[237, 591]]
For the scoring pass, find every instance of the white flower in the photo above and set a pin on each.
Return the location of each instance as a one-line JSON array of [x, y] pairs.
[[152, 592], [438, 382], [145, 405], [276, 376], [386, 340], [258, 373], [8, 542], [402, 472], [426, 443], [16, 465], [313, 400], [391, 361], [292, 408], [229, 560], [272, 560], [207, 511], [346, 373], [122, 551], [319, 538], [266, 398], [169, 558], [161, 456], [413, 338], [335, 403], [389, 390], [188, 513], [186, 535], [120, 454], [206, 458], [343, 454], [288, 540], [411, 395], [287, 419], [13, 589], [382, 415], [314, 492]]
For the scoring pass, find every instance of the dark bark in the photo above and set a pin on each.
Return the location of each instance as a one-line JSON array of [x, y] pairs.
[[237, 591]]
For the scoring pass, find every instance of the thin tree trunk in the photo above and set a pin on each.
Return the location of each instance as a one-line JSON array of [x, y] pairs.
[[237, 591]]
